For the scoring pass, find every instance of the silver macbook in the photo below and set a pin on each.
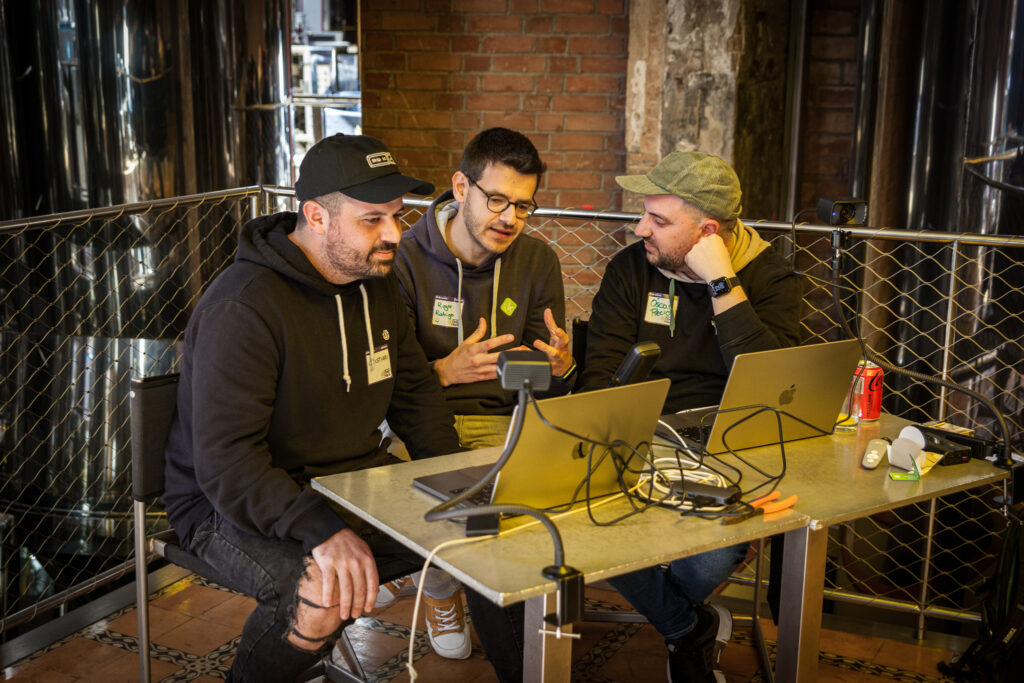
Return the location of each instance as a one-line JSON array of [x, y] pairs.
[[547, 467], [806, 384]]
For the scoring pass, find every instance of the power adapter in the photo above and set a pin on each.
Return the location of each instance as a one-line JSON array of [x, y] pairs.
[[705, 495]]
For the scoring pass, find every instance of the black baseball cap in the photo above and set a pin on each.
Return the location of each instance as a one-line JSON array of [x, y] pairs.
[[356, 165]]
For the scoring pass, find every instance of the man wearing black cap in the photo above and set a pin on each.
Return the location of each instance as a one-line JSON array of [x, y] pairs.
[[705, 287], [293, 357]]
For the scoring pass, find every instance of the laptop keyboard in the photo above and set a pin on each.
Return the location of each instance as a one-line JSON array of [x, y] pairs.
[[483, 497]]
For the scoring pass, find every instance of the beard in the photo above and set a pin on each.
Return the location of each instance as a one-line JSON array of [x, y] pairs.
[[660, 259], [353, 264]]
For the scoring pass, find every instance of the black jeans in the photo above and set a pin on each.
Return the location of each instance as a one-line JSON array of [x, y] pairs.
[[500, 630], [269, 570]]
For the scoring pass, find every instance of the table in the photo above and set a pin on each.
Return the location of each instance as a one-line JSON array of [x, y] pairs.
[[508, 569], [824, 472]]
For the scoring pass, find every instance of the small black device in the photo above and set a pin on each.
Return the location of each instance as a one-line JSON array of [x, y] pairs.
[[723, 285], [637, 364], [706, 495], [843, 211], [516, 367]]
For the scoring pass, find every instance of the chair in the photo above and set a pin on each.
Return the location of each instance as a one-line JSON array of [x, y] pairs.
[[153, 405]]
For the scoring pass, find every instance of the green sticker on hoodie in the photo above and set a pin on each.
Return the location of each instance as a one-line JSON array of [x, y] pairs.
[[508, 307]]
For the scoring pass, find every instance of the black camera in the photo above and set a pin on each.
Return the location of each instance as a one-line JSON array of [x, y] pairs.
[[843, 211]]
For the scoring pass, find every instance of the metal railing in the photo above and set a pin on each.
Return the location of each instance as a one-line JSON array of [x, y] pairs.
[[91, 298]]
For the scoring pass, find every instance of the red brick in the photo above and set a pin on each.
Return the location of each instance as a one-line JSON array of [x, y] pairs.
[[567, 6], [374, 41], [552, 45], [406, 137], [823, 72], [465, 43], [391, 5], [524, 6], [495, 24], [451, 23], [426, 119], [416, 42], [407, 21], [538, 24], [476, 63], [464, 82], [573, 181], [566, 64], [466, 120], [508, 44], [542, 141], [482, 5], [580, 141], [437, 5], [370, 98], [384, 61], [831, 22], [551, 122], [594, 84], [590, 161], [378, 118], [617, 103], [620, 26], [599, 200], [554, 163], [829, 121], [376, 81], [489, 101], [833, 48], [593, 24], [442, 62], [505, 83], [509, 119], [417, 81], [536, 102], [427, 158], [550, 84], [452, 139], [580, 103], [608, 122], [604, 65], [521, 63], [832, 97], [606, 45], [404, 99], [449, 101], [611, 6]]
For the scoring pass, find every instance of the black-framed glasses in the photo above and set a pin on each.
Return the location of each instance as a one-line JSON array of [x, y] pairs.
[[497, 203]]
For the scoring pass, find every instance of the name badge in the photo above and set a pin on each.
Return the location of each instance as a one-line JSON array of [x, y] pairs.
[[445, 312], [378, 366], [657, 311]]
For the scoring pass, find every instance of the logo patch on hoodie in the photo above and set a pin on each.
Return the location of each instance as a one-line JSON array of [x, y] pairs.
[[508, 307]]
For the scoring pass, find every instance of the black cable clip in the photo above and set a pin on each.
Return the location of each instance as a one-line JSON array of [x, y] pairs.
[[839, 241], [569, 596]]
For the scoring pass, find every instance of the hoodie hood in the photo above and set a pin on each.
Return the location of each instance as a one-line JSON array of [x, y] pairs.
[[264, 241], [746, 246]]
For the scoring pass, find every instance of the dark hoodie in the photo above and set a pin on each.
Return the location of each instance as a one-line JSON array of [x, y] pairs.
[[529, 279], [264, 403]]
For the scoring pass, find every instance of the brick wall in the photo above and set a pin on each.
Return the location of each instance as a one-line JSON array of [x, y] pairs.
[[828, 117], [436, 72]]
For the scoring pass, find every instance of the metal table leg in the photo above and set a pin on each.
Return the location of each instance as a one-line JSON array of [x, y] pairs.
[[803, 589]]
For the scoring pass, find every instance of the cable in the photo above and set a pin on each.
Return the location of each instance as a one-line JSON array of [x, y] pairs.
[[792, 233], [921, 377]]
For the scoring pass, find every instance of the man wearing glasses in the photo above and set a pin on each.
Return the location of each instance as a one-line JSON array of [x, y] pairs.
[[474, 286]]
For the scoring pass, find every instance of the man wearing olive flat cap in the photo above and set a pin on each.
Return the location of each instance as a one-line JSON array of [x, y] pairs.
[[705, 287], [292, 358]]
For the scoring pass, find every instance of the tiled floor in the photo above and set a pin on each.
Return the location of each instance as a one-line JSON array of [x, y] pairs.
[[195, 627]]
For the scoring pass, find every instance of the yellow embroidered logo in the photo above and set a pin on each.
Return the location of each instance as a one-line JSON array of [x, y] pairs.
[[508, 307], [380, 159]]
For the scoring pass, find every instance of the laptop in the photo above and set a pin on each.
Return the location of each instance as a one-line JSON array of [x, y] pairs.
[[808, 382], [546, 467]]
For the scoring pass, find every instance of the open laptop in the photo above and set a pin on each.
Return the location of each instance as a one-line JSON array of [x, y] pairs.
[[546, 467], [808, 382]]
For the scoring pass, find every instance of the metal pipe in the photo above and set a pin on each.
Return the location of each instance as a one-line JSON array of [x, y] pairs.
[[922, 598], [947, 341], [795, 79]]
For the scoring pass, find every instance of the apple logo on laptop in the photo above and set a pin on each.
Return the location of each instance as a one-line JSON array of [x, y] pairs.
[[786, 396]]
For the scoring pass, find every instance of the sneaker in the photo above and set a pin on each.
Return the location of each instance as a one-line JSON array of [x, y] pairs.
[[387, 592], [693, 658], [447, 627]]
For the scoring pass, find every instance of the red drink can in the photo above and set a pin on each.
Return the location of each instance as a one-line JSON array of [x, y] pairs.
[[869, 390]]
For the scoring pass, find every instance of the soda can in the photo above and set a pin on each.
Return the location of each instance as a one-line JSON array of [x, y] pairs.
[[869, 391]]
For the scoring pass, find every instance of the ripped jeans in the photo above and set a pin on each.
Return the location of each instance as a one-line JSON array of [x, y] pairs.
[[269, 570]]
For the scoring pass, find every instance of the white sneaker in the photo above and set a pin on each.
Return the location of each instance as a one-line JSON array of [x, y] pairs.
[[387, 592], [447, 627]]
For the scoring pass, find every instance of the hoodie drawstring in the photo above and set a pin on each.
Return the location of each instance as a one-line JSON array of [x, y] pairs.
[[458, 302], [494, 298], [344, 340]]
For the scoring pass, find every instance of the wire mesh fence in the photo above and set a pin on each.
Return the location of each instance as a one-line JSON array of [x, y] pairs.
[[90, 299]]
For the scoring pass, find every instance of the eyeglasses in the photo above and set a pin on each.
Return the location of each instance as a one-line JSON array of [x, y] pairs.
[[496, 203]]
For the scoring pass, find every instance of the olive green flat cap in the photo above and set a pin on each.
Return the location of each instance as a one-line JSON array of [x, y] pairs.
[[700, 179]]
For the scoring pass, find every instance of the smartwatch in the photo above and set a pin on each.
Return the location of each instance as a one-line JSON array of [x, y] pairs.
[[722, 285]]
